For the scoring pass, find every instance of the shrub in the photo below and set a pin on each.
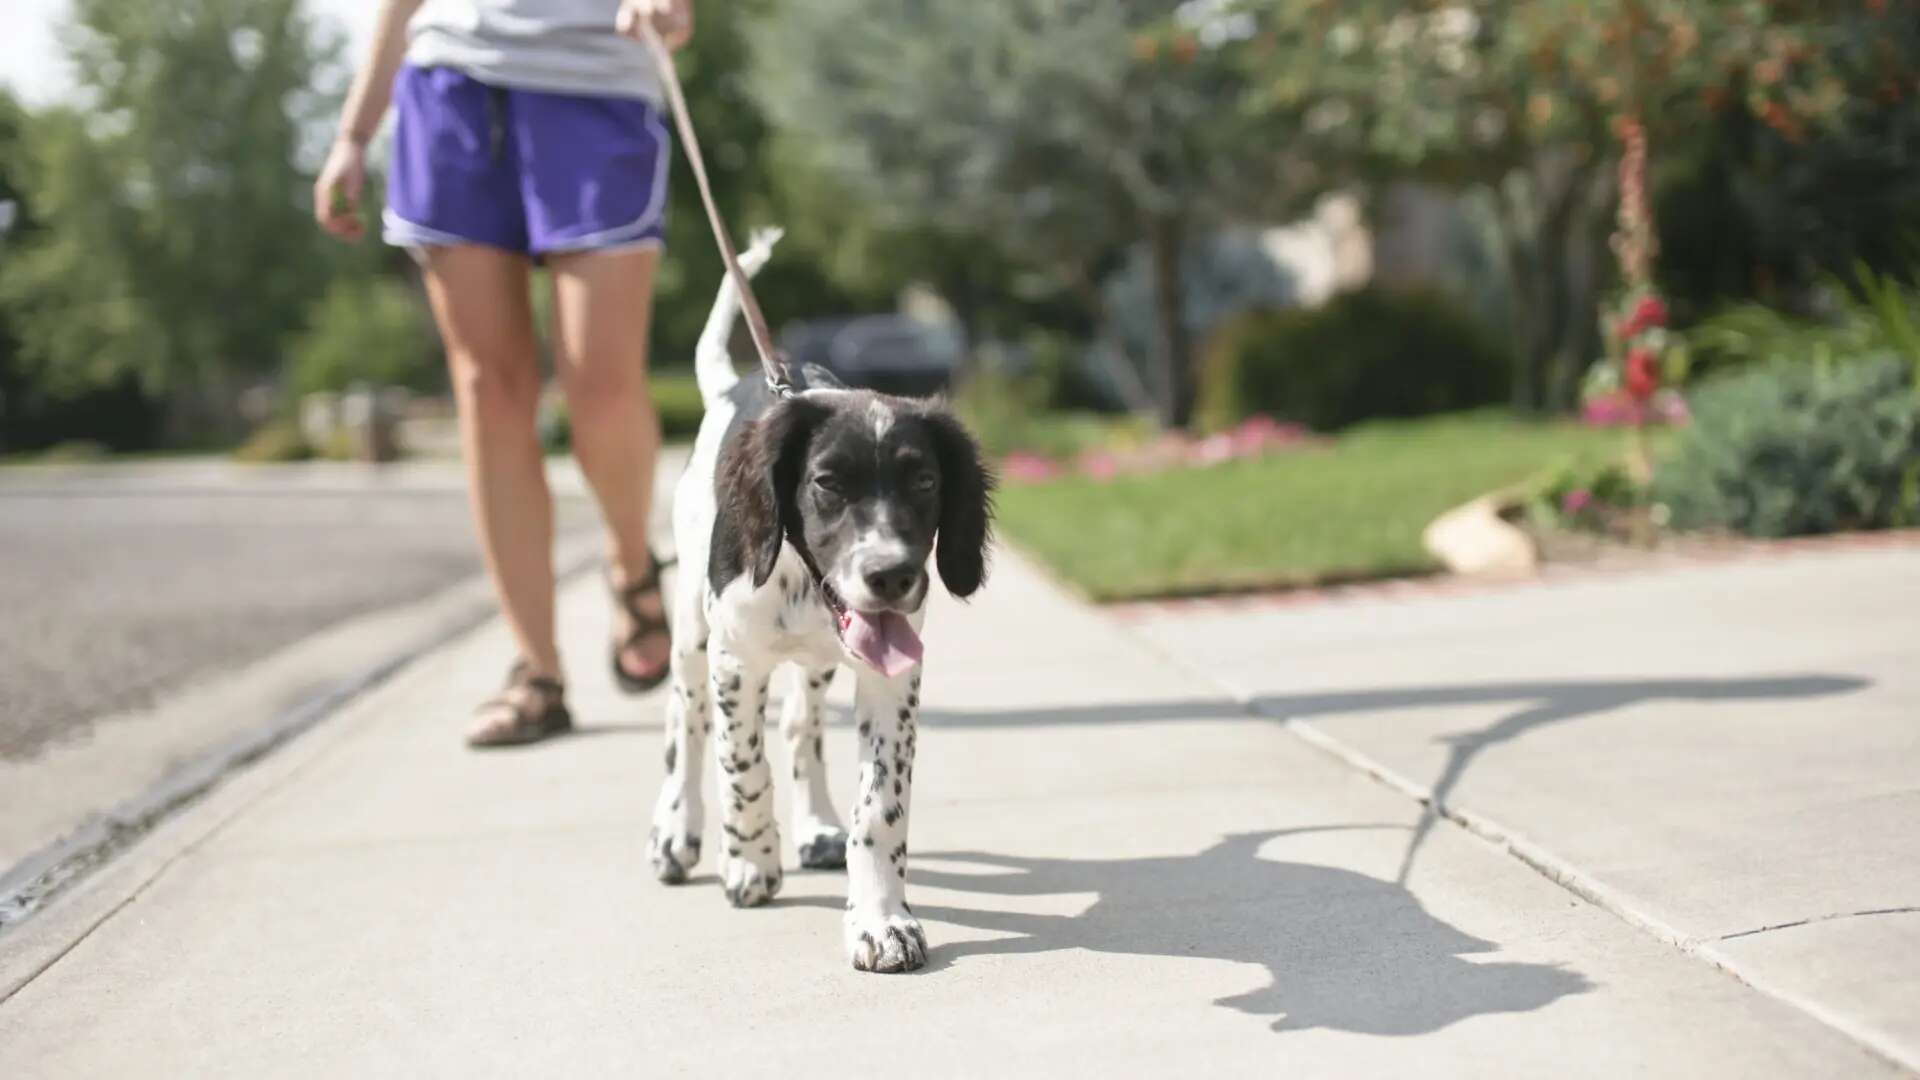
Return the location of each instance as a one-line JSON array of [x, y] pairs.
[[1876, 315], [366, 330], [1371, 353], [1788, 449], [277, 441]]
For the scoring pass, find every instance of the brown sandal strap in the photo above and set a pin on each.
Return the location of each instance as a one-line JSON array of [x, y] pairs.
[[505, 719]]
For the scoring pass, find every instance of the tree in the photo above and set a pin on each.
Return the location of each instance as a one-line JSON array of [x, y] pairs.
[[175, 244], [1057, 132], [1514, 102]]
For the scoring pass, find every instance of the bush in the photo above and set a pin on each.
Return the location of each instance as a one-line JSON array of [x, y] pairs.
[[1789, 449], [366, 330], [1367, 354], [1876, 315], [1010, 414], [278, 441]]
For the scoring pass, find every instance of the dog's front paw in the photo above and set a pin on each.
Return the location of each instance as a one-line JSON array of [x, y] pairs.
[[673, 853], [885, 942], [824, 848], [751, 879]]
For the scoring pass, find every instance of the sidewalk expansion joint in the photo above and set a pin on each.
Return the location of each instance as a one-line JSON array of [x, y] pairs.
[[1909, 910]]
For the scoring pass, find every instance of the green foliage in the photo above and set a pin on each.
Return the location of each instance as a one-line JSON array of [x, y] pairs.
[[1788, 449], [1010, 414], [278, 441], [173, 243], [1054, 134], [366, 330], [1879, 316], [1365, 354], [1353, 511]]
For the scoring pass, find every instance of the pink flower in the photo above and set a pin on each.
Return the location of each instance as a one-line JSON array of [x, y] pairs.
[[1099, 465], [1575, 502], [1023, 467]]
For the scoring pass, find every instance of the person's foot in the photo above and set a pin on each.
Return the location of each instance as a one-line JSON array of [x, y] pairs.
[[529, 708], [642, 643]]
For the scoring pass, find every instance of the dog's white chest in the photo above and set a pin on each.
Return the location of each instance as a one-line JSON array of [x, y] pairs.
[[784, 619]]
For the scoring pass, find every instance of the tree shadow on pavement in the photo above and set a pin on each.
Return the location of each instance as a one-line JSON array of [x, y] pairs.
[[1542, 703], [1341, 950]]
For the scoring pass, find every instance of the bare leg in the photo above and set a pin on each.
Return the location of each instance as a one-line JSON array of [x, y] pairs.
[[480, 301], [603, 306]]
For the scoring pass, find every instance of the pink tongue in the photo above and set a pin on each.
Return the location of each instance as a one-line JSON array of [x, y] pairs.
[[883, 639]]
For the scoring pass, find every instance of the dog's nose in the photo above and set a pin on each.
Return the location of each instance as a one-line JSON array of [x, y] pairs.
[[894, 583]]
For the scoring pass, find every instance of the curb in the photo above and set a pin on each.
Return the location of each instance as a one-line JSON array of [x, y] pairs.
[[38, 879]]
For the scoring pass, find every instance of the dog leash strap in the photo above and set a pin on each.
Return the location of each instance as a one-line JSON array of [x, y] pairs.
[[774, 364]]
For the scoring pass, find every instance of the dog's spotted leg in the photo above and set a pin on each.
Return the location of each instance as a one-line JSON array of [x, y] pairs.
[[673, 845], [881, 932], [750, 870], [821, 838]]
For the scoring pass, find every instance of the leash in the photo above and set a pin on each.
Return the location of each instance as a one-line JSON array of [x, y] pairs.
[[772, 361]]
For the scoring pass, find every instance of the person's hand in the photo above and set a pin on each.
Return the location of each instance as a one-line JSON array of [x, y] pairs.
[[336, 194], [671, 19]]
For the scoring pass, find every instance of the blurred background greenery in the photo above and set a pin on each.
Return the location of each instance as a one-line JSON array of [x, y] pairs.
[[1130, 215]]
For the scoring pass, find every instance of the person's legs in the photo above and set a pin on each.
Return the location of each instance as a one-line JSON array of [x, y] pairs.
[[481, 303], [603, 310]]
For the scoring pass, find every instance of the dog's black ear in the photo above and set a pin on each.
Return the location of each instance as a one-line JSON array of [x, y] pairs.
[[754, 487], [966, 506]]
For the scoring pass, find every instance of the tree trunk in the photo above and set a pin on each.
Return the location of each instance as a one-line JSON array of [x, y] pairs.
[[1165, 237]]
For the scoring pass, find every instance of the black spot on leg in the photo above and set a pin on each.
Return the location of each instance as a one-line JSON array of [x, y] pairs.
[[906, 714], [753, 741], [866, 728], [819, 749], [672, 755], [896, 787]]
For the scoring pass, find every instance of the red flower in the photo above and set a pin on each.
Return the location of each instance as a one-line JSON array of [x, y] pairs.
[[1642, 378], [1650, 311]]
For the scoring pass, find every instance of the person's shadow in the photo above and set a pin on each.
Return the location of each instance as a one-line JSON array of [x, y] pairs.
[[1340, 949]]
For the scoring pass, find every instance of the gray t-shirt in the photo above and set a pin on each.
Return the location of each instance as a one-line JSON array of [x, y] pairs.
[[560, 46]]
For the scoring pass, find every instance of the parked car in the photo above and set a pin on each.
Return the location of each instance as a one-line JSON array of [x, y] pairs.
[[891, 353]]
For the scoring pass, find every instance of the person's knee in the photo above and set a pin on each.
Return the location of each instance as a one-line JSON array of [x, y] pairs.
[[603, 393], [497, 389]]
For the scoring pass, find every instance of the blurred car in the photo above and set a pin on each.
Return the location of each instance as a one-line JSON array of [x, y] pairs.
[[894, 354]]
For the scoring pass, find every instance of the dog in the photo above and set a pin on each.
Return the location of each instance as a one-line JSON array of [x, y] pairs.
[[804, 526]]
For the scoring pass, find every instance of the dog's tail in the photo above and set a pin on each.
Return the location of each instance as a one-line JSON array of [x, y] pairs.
[[712, 360]]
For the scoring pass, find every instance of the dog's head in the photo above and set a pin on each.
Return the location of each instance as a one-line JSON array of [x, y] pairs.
[[867, 486]]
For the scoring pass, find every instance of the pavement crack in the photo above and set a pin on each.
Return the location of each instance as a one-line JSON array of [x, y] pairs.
[[1909, 910]]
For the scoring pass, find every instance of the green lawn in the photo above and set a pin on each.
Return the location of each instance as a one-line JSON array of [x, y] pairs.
[[1350, 511]]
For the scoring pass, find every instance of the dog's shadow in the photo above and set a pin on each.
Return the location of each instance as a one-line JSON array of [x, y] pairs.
[[1340, 949]]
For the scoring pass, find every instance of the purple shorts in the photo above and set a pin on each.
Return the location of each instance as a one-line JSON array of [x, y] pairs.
[[526, 171]]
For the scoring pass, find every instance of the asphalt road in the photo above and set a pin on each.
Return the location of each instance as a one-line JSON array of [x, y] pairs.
[[114, 592]]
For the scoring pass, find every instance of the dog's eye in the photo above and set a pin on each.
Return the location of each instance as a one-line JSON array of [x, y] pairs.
[[829, 483], [924, 481]]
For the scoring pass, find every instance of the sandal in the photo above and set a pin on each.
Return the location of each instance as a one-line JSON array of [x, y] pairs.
[[530, 708], [645, 627]]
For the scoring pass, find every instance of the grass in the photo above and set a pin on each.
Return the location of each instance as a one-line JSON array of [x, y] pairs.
[[1351, 511]]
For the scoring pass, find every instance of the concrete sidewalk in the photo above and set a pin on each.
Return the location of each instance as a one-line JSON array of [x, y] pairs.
[[1728, 755], [1121, 870]]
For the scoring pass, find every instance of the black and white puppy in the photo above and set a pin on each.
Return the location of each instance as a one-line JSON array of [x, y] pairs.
[[804, 528]]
